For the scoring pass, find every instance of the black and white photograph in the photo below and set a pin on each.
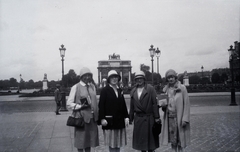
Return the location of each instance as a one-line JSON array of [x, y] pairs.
[[119, 75]]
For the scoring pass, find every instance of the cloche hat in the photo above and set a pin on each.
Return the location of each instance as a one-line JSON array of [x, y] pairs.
[[84, 70], [170, 72], [113, 73], [139, 74]]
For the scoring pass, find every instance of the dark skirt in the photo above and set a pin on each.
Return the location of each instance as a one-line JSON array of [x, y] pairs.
[[87, 136]]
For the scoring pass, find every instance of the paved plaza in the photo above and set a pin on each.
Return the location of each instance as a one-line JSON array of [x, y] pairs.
[[214, 127]]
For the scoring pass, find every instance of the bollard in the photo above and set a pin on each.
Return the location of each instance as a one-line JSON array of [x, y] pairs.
[[63, 105]]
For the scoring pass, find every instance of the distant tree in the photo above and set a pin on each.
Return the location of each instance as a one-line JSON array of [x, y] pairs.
[[205, 80], [144, 67], [22, 84], [38, 85], [29, 84], [224, 77], [71, 76], [194, 79], [13, 82], [157, 78], [215, 78], [180, 78]]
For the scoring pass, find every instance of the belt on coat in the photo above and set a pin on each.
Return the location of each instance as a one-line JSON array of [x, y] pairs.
[[140, 114]]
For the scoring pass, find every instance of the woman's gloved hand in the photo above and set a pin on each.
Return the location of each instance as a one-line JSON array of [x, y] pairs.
[[126, 122], [77, 107], [104, 122], [184, 124]]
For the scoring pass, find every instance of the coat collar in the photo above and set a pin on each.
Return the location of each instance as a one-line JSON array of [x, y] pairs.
[[110, 89], [176, 87]]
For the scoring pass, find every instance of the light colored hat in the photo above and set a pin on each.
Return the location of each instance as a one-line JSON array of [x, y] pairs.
[[113, 73], [170, 72], [84, 70], [139, 74]]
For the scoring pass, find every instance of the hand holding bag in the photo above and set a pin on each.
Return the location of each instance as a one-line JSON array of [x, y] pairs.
[[75, 122], [157, 129]]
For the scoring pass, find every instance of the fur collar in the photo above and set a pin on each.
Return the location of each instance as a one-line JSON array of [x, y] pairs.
[[176, 87]]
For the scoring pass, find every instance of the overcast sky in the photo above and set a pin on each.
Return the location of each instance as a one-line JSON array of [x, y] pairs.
[[189, 33]]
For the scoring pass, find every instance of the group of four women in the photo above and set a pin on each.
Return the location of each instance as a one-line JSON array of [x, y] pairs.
[[112, 114]]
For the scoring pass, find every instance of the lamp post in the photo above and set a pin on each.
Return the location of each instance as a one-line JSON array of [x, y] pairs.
[[158, 53], [152, 53], [231, 58], [62, 54], [202, 73], [19, 87]]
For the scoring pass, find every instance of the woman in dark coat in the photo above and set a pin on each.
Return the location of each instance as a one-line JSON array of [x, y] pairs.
[[113, 113], [144, 111]]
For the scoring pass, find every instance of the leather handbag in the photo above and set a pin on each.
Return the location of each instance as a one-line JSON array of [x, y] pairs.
[[157, 128], [75, 122]]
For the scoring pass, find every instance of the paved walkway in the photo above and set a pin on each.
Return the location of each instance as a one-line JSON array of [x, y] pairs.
[[213, 129]]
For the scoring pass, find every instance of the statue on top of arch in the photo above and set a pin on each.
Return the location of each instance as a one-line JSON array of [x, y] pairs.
[[114, 57]]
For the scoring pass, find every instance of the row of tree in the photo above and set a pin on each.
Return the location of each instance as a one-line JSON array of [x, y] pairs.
[[72, 78]]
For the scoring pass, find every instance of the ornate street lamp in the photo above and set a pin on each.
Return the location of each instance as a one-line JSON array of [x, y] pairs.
[[62, 54], [231, 57], [202, 73], [158, 53], [152, 54]]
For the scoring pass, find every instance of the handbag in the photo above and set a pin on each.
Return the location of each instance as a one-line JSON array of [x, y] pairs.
[[156, 129], [75, 122]]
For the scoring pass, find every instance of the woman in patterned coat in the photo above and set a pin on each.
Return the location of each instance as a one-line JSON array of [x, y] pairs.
[[176, 119]]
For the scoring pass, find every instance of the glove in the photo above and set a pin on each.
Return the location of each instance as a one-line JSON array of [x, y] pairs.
[[104, 122], [126, 122], [184, 124], [77, 107], [158, 121]]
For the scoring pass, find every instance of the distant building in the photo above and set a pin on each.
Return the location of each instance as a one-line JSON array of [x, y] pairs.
[[123, 67]]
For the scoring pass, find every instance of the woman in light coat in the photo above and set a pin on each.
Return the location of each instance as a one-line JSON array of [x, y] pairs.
[[176, 119], [144, 113], [87, 137]]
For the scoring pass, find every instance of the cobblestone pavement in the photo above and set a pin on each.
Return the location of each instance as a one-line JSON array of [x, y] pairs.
[[44, 131], [32, 126]]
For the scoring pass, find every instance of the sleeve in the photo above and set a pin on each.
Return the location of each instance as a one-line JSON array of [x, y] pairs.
[[155, 105], [125, 108], [70, 101], [131, 111], [101, 105], [186, 104]]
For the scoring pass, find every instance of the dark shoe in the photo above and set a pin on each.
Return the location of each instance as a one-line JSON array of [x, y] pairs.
[[58, 114]]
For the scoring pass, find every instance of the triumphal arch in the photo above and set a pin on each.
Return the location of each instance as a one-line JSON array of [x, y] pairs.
[[123, 67]]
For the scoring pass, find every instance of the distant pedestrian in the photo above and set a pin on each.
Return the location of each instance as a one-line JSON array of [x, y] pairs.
[[144, 112], [176, 119], [113, 113], [83, 99], [58, 99]]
